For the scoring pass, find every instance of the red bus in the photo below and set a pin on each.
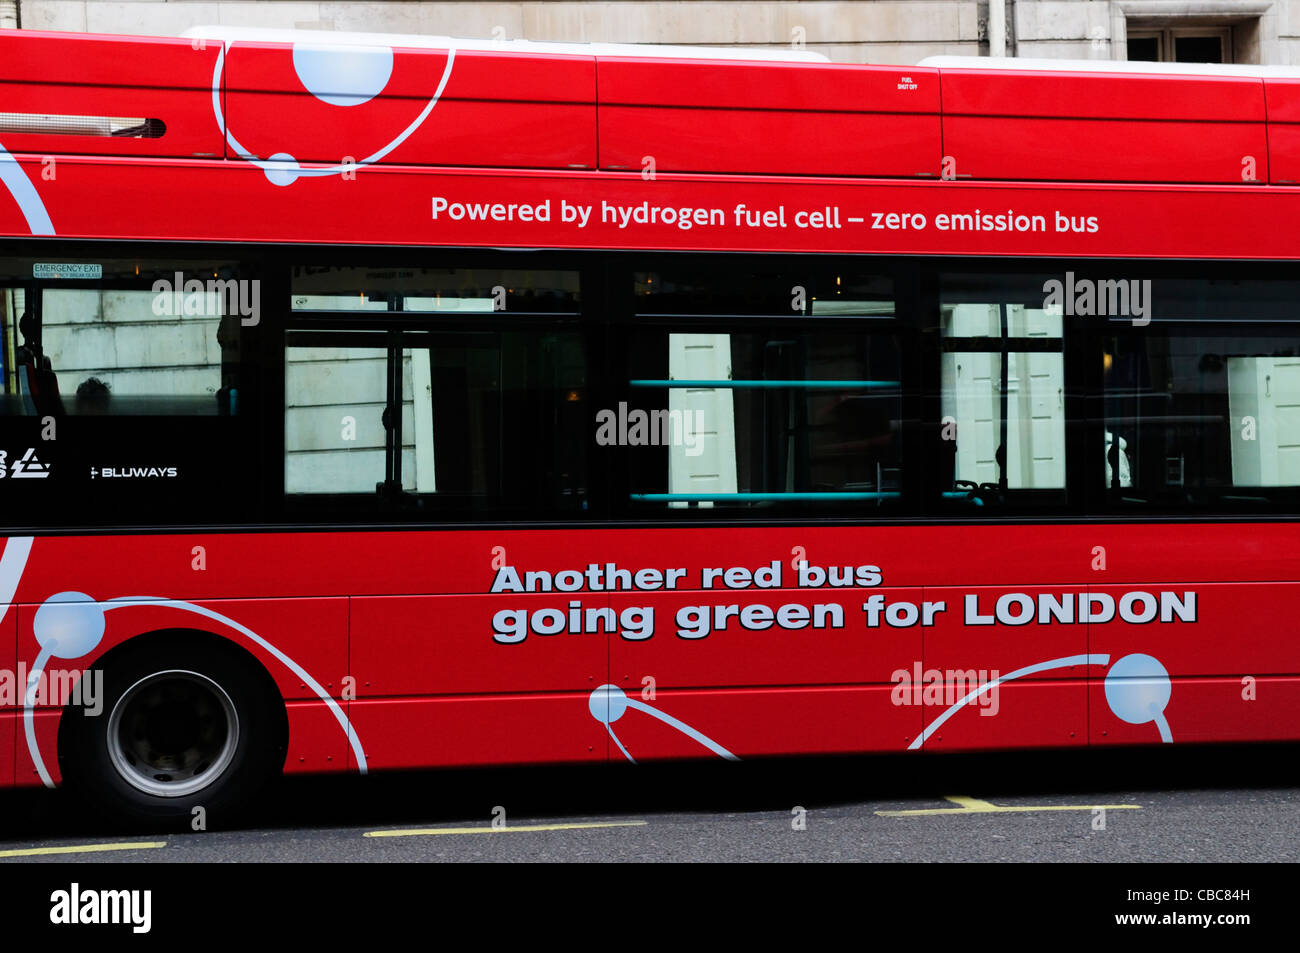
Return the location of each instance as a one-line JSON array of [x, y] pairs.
[[376, 403]]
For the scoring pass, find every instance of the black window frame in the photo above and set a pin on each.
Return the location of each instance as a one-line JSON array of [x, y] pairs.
[[390, 329], [231, 500], [604, 318]]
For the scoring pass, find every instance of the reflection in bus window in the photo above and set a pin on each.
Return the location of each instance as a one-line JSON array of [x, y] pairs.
[[334, 435], [1204, 414], [124, 352], [786, 383], [484, 418], [442, 290], [772, 418], [403, 390], [1002, 390], [752, 292]]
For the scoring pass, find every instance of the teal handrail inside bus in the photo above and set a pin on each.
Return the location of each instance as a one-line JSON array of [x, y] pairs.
[[837, 385], [766, 497]]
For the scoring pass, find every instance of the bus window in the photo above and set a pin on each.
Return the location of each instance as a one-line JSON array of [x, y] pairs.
[[1204, 415], [451, 291], [766, 414], [408, 390], [1001, 392], [142, 338], [125, 396]]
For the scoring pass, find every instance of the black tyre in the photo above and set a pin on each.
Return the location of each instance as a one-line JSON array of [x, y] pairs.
[[183, 725]]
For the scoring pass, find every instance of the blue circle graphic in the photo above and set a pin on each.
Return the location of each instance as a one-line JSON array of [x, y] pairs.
[[286, 170], [607, 704], [69, 625], [343, 75], [1138, 688]]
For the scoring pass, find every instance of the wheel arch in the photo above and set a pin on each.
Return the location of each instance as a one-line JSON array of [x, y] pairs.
[[175, 638]]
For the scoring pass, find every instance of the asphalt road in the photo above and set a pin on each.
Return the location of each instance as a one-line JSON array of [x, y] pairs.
[[1212, 804]]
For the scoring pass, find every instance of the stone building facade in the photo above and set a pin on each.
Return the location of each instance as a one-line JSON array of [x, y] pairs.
[[853, 31]]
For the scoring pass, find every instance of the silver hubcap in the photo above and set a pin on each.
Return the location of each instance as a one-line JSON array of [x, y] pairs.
[[172, 733]]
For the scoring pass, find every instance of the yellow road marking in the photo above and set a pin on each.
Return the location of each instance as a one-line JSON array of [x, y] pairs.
[[971, 805], [429, 831], [82, 848]]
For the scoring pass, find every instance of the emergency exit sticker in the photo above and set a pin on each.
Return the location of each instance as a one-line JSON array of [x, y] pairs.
[[83, 272]]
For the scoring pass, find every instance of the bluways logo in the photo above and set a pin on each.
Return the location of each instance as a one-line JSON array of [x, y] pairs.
[[26, 467], [213, 297], [133, 473]]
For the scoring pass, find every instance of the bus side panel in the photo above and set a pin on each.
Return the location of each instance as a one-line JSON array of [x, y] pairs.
[[8, 737], [475, 644], [972, 633], [311, 633], [773, 665], [46, 75], [497, 109], [1282, 98], [744, 723], [1284, 153], [46, 730], [47, 701], [1215, 661], [734, 117], [479, 730], [1044, 704], [119, 199], [504, 693], [317, 743], [1020, 714], [10, 693], [759, 637], [1101, 151], [1195, 710], [1058, 125], [754, 141], [198, 575], [11, 690], [1206, 629]]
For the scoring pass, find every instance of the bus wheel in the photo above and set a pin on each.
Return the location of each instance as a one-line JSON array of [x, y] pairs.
[[186, 733]]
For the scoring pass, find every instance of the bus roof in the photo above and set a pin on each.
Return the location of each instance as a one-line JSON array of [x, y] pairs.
[[233, 34], [243, 96]]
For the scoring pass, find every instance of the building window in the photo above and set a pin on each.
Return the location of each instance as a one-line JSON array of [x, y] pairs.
[[1183, 45]]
